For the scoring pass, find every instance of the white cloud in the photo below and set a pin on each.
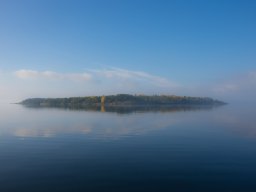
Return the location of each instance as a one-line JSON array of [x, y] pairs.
[[115, 80], [238, 84], [32, 83], [27, 74], [127, 76], [226, 88], [135, 76], [238, 88]]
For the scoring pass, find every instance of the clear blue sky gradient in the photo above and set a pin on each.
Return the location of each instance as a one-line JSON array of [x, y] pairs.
[[188, 41]]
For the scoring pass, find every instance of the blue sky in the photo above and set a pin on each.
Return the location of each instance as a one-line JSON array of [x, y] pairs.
[[64, 48]]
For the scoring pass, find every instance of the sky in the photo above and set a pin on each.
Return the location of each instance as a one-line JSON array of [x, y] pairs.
[[64, 48]]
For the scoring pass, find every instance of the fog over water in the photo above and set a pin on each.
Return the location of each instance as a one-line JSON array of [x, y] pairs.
[[179, 150], [76, 48]]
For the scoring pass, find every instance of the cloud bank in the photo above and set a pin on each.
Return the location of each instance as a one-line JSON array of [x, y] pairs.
[[243, 82], [123, 74], [28, 74], [32, 83], [238, 88], [99, 75], [25, 83]]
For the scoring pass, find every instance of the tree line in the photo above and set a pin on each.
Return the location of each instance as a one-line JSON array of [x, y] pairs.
[[120, 100]]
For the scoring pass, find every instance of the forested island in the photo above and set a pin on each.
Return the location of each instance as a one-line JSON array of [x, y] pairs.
[[122, 101]]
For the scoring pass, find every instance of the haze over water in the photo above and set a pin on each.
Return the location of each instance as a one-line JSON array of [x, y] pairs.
[[185, 150], [78, 48]]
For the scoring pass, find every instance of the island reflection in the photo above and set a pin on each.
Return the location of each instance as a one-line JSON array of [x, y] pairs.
[[95, 122], [132, 109]]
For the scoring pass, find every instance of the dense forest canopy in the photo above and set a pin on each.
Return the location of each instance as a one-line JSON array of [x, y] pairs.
[[121, 100]]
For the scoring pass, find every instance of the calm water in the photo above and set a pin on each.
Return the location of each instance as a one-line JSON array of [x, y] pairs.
[[168, 150]]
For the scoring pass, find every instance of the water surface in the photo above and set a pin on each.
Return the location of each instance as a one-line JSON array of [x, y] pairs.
[[207, 149]]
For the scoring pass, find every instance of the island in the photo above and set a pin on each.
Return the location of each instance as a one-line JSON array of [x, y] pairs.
[[126, 103]]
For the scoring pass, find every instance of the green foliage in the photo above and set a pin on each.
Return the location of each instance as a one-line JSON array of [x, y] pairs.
[[120, 100]]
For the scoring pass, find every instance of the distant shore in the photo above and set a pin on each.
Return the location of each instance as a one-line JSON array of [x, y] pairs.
[[121, 100]]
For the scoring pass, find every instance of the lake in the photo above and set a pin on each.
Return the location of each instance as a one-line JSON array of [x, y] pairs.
[[182, 149]]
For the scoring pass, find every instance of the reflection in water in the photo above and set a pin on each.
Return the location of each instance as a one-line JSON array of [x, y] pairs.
[[134, 109], [116, 122], [97, 126], [93, 122], [240, 119], [105, 150]]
